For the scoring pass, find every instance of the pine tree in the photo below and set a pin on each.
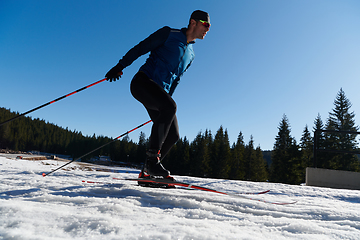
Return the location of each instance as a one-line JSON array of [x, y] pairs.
[[296, 171], [306, 149], [237, 170], [259, 168], [249, 159], [221, 154], [306, 146], [341, 119], [320, 138], [141, 148], [255, 167], [285, 158], [184, 157], [206, 159], [200, 155], [178, 160]]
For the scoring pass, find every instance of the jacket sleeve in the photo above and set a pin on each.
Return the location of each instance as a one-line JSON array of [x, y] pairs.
[[152, 42]]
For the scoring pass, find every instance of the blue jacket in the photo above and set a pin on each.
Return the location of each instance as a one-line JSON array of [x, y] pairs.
[[171, 55]]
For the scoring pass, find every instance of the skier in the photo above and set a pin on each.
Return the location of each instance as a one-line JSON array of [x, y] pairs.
[[171, 54]]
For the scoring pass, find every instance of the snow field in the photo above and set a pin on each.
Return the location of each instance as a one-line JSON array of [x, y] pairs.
[[61, 206]]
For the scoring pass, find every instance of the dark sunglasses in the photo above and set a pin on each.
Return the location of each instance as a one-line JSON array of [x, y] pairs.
[[205, 23]]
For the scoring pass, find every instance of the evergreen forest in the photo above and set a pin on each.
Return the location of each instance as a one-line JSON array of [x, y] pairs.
[[208, 155]]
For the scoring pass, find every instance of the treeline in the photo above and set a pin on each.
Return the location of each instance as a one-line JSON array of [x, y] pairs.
[[214, 157], [207, 155], [27, 134], [290, 159], [204, 157]]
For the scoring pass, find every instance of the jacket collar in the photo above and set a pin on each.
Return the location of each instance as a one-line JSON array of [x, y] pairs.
[[183, 30]]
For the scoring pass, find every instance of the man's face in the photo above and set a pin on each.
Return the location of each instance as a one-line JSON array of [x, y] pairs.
[[201, 29]]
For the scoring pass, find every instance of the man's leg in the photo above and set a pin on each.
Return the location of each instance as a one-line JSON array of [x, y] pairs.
[[172, 137], [161, 108]]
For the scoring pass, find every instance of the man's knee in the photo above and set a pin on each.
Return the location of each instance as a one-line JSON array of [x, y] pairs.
[[169, 110]]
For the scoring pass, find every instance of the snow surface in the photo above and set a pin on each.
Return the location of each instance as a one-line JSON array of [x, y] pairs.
[[61, 206]]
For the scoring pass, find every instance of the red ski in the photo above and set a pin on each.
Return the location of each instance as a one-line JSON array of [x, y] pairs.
[[167, 183]]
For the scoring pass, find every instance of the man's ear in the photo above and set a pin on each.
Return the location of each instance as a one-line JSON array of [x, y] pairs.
[[192, 22]]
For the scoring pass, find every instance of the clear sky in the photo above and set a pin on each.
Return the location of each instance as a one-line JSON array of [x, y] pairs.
[[260, 60]]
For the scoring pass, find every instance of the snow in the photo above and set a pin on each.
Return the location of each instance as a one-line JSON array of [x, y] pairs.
[[61, 206]]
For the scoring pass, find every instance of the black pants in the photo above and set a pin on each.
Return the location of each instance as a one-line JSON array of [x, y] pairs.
[[161, 109]]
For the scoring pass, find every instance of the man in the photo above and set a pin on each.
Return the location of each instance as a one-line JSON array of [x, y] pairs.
[[171, 54]]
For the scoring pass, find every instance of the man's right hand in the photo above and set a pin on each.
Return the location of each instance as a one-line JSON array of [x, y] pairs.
[[114, 73]]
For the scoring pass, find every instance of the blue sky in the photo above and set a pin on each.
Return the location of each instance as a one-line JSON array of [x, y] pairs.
[[260, 60]]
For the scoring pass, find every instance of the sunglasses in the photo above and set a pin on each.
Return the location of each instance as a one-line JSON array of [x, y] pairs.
[[205, 23]]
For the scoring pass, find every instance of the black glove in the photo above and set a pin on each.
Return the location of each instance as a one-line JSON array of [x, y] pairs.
[[114, 73]]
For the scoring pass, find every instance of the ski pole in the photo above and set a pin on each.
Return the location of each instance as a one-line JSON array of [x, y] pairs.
[[45, 174], [67, 95]]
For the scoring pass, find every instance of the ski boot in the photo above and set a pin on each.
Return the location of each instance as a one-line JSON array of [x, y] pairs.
[[153, 166], [153, 169]]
